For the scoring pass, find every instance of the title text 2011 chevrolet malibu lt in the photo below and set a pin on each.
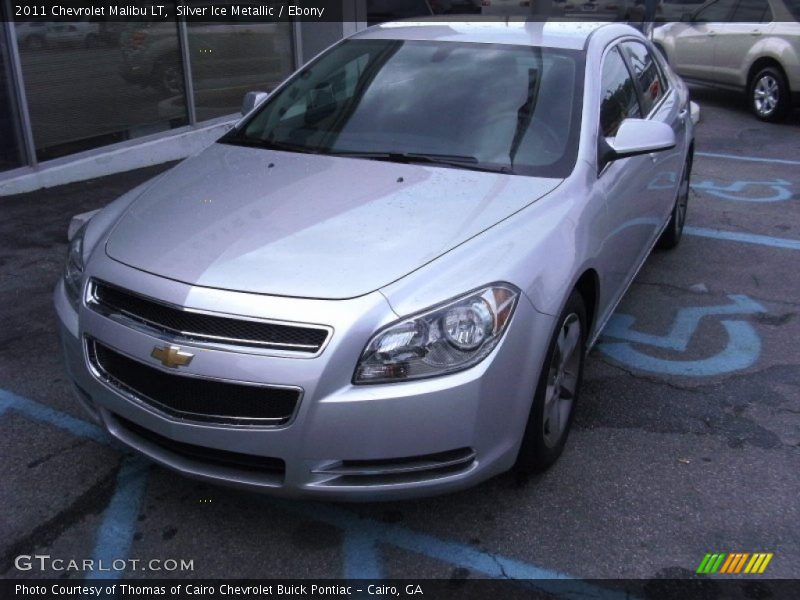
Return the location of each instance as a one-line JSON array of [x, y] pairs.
[[383, 281]]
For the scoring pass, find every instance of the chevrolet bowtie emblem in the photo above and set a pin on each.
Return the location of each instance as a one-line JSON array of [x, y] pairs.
[[172, 356]]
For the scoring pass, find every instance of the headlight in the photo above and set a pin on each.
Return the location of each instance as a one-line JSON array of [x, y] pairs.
[[448, 338], [73, 271]]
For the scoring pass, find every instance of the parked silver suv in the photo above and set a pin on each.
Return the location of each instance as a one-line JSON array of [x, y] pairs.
[[745, 45]]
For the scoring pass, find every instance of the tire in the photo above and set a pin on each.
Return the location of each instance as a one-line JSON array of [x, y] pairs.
[[768, 95], [672, 235], [543, 442]]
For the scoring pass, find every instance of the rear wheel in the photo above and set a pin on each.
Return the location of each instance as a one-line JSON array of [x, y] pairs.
[[557, 391], [769, 95], [672, 235]]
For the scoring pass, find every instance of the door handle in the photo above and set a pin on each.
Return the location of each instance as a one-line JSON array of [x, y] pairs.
[[653, 156]]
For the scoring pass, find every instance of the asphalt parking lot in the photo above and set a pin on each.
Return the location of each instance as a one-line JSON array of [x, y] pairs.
[[687, 437]]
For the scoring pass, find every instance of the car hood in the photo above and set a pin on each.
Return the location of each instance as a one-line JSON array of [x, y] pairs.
[[305, 225]]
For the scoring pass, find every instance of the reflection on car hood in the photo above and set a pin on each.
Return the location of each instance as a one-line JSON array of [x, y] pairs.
[[305, 225]]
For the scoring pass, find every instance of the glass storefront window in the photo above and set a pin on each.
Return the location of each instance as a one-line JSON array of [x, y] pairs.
[[229, 59], [93, 83], [11, 152]]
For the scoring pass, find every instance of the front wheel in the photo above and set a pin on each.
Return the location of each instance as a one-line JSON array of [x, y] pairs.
[[672, 235], [557, 391]]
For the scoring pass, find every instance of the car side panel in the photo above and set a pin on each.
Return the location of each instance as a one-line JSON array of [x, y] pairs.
[[783, 46], [738, 45]]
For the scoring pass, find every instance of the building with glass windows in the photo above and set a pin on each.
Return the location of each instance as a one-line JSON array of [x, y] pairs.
[[81, 99]]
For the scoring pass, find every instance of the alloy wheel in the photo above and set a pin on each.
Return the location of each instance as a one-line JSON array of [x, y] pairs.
[[766, 95], [562, 380]]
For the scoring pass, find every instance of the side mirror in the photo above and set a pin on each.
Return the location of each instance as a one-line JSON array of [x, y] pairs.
[[635, 137], [251, 100]]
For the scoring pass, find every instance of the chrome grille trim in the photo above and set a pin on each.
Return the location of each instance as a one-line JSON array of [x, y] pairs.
[[430, 465], [96, 302]]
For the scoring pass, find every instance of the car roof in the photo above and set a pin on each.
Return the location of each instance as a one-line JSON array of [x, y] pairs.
[[516, 32]]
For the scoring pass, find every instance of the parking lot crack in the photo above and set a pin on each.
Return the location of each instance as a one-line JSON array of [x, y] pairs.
[[43, 459], [92, 501], [689, 290], [502, 568], [651, 379]]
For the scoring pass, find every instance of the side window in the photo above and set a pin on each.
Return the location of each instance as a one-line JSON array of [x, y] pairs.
[[752, 11], [619, 100], [645, 71], [716, 12]]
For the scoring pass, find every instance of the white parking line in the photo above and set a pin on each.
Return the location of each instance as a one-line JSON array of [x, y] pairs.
[[777, 161], [747, 238]]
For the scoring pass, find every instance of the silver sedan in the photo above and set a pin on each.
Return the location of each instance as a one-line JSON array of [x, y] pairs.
[[383, 281]]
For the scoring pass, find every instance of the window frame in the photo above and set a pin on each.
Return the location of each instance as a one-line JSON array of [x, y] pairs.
[[666, 88], [704, 7], [600, 136], [766, 18], [617, 43]]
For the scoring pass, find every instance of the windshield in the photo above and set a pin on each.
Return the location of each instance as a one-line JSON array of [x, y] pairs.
[[512, 109]]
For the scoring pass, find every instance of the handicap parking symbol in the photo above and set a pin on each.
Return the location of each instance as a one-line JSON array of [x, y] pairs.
[[741, 350], [773, 190]]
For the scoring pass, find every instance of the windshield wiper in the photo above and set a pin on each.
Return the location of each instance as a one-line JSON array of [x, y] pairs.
[[452, 160], [239, 140]]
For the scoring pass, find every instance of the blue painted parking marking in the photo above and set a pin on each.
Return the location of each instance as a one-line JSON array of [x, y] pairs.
[[115, 536], [42, 413], [361, 556], [745, 238], [771, 190], [776, 161], [362, 536], [740, 352], [454, 553]]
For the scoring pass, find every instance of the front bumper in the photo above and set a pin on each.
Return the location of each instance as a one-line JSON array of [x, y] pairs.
[[344, 441]]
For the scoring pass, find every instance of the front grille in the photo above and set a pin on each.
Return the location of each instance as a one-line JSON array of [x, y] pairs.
[[187, 325], [193, 398], [222, 458]]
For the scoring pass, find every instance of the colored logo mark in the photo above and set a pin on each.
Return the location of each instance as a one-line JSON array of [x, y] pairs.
[[748, 191], [741, 350], [734, 563]]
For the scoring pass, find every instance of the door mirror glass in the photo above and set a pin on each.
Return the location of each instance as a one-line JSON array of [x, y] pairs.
[[251, 100]]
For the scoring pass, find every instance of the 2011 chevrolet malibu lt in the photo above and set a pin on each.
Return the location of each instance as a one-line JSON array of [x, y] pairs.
[[383, 281]]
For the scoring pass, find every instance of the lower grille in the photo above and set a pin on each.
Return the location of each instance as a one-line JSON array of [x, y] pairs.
[[212, 456], [193, 398]]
